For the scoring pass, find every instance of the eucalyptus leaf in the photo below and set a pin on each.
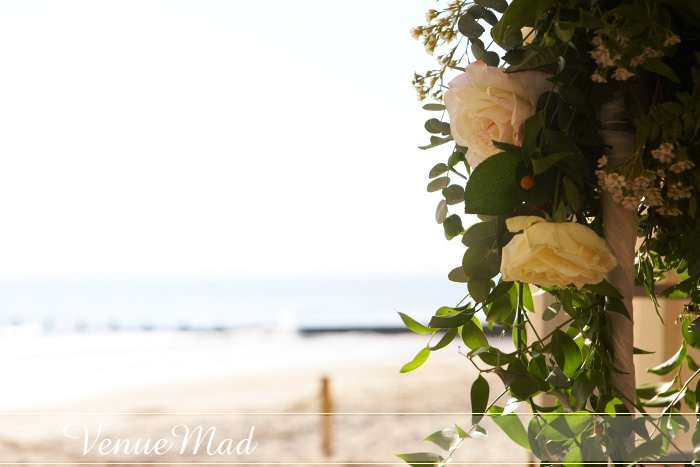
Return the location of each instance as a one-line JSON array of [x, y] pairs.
[[481, 262], [457, 275], [441, 211], [491, 58], [433, 125], [454, 194], [453, 226], [498, 5], [482, 232], [438, 184], [479, 289], [469, 27], [434, 107], [438, 170]]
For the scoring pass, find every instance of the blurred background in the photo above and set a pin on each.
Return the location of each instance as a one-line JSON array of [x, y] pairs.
[[212, 205]]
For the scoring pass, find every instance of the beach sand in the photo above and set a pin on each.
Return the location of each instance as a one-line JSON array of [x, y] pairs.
[[372, 399]]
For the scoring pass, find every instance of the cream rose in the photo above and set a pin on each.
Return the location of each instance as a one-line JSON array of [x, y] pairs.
[[485, 103], [550, 253]]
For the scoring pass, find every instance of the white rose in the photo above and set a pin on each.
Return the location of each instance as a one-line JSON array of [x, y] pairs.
[[485, 103], [551, 253]]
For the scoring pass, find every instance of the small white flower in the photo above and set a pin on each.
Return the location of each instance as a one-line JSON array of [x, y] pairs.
[[598, 78], [622, 74], [630, 202], [681, 166], [652, 53], [672, 40], [664, 153], [602, 162], [638, 60]]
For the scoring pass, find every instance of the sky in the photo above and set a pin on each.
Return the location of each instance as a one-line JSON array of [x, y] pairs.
[[215, 138]]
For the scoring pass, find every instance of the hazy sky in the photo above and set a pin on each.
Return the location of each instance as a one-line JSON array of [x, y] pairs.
[[214, 138]]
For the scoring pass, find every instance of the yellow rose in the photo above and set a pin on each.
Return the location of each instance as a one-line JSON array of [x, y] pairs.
[[551, 253], [485, 103]]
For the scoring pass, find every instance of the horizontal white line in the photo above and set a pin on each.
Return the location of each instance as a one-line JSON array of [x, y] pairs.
[[337, 413]]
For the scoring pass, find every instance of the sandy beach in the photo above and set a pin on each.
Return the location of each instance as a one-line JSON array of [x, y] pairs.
[[277, 392]]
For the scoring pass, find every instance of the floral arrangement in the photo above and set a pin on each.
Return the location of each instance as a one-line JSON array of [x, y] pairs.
[[575, 128]]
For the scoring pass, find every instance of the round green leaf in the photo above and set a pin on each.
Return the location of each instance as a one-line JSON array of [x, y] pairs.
[[479, 289], [454, 194], [481, 262], [469, 27], [438, 184], [453, 226], [483, 232], [441, 211], [438, 170], [498, 5], [457, 275]]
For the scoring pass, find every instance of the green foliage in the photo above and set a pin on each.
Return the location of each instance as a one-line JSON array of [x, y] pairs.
[[423, 459], [557, 158], [479, 399], [670, 364], [511, 426], [417, 361], [492, 188]]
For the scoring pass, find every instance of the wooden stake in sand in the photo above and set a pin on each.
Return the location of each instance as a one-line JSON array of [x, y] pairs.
[[326, 420]]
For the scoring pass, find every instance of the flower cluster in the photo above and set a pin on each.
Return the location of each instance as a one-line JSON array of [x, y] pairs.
[[659, 187], [609, 53], [439, 30], [613, 51]]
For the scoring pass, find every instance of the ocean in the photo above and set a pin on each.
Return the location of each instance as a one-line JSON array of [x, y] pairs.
[[52, 306], [71, 341]]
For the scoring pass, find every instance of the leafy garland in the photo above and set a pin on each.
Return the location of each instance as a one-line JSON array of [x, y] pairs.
[[527, 140]]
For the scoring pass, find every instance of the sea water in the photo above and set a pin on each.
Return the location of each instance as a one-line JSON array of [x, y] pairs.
[[64, 341], [62, 305]]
